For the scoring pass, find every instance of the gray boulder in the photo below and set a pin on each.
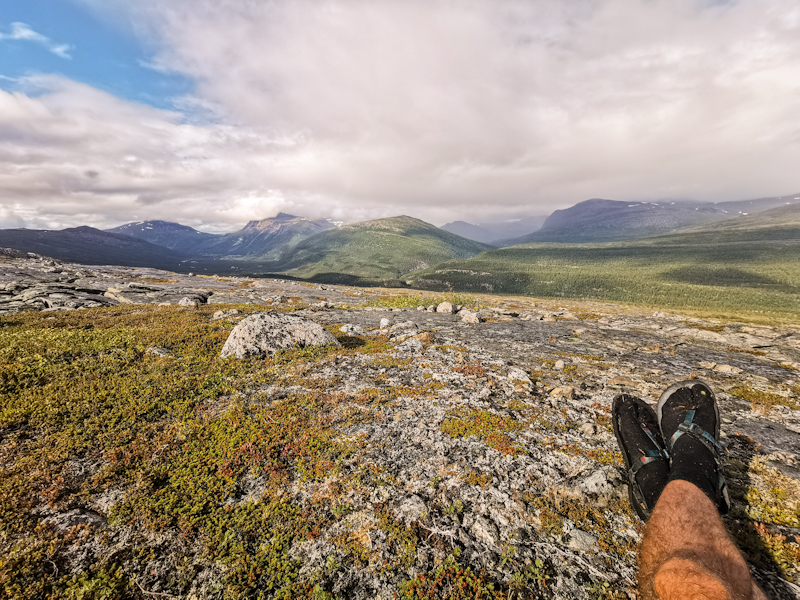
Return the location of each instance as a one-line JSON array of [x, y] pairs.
[[446, 308], [267, 332]]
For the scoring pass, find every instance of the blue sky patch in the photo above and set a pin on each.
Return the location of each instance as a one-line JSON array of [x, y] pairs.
[[62, 38]]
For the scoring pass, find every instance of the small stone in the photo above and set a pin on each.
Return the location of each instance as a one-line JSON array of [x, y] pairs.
[[623, 382], [445, 307], [727, 369], [707, 365], [517, 374], [563, 392], [603, 487], [412, 345], [186, 301], [470, 316], [351, 329], [410, 510], [580, 541], [160, 352], [485, 531]]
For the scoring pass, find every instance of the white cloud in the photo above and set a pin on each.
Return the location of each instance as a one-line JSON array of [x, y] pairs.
[[20, 31], [471, 110]]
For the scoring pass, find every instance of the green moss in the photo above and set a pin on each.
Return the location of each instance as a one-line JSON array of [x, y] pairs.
[[487, 426], [777, 501], [412, 301], [105, 583], [554, 507], [402, 541], [451, 580], [761, 400], [601, 455]]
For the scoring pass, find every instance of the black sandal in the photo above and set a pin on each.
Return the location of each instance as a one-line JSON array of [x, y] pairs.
[[646, 458], [694, 403]]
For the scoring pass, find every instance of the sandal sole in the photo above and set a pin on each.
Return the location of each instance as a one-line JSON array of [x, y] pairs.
[[643, 514]]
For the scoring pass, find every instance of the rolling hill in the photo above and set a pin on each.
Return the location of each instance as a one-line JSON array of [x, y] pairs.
[[90, 246], [774, 225], [380, 249]]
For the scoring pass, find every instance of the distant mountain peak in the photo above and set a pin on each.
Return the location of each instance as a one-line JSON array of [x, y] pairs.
[[270, 222], [174, 236]]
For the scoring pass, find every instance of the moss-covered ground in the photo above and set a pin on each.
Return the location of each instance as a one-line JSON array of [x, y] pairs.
[[124, 473]]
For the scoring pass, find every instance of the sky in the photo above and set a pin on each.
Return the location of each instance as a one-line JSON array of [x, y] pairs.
[[214, 113]]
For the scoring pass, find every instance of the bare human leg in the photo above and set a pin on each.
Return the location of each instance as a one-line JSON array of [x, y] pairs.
[[687, 553]]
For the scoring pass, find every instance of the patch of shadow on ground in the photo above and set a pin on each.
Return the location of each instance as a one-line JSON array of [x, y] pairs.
[[725, 276]]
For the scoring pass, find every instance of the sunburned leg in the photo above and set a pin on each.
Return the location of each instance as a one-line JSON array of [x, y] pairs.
[[687, 553]]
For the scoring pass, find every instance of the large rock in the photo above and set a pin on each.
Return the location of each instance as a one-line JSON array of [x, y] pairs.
[[267, 332]]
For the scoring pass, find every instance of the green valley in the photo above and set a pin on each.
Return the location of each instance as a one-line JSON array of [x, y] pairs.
[[749, 265]]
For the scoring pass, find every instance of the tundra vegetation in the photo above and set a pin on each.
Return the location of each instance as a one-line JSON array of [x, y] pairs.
[[730, 280], [137, 463]]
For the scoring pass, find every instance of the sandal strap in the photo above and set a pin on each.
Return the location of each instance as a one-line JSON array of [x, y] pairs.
[[697, 432], [649, 456], [661, 450]]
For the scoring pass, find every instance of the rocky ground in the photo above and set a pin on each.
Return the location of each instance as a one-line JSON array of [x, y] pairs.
[[483, 447]]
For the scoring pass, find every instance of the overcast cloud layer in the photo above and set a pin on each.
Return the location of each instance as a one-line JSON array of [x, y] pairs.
[[438, 109]]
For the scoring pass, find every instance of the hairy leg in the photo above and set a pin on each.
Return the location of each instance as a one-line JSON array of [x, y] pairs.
[[687, 553]]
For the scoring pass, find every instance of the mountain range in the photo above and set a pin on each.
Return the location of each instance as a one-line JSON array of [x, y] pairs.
[[265, 239], [387, 249], [599, 220]]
